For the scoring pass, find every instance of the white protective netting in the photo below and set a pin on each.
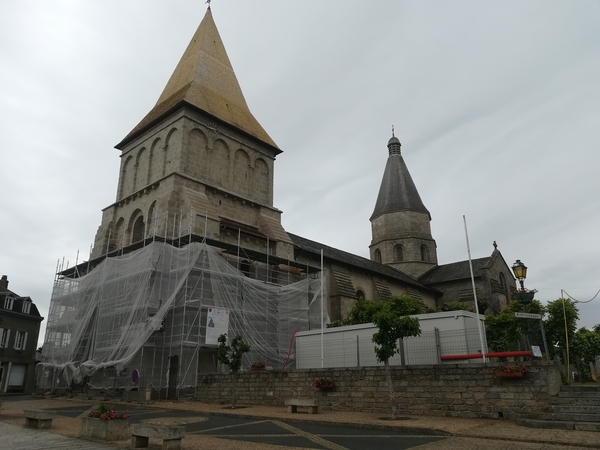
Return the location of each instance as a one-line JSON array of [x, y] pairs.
[[147, 310]]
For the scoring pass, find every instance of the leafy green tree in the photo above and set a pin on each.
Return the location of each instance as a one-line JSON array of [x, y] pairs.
[[585, 347], [457, 306], [405, 305], [392, 327], [505, 331], [555, 324], [364, 311], [232, 356]]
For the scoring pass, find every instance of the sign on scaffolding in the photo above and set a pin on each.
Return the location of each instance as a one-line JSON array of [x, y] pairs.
[[217, 323]]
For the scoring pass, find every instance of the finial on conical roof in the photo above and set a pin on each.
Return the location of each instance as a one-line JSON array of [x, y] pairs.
[[394, 144], [208, 2]]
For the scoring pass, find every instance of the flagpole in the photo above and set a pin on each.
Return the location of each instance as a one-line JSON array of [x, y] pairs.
[[483, 349], [322, 289]]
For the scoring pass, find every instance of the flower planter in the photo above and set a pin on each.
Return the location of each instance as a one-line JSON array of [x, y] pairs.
[[323, 383], [509, 374], [108, 430], [523, 297]]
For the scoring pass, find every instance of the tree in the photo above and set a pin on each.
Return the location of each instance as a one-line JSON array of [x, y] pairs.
[[585, 348], [555, 324], [364, 311], [457, 306], [232, 356], [505, 331], [392, 327], [405, 305]]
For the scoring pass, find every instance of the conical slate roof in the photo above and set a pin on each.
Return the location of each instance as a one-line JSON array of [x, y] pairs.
[[398, 191], [204, 79]]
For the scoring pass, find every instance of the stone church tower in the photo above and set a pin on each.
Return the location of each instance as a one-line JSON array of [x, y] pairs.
[[400, 223], [198, 163]]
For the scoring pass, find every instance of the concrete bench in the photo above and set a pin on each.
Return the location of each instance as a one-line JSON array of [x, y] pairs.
[[293, 404], [38, 418], [171, 435]]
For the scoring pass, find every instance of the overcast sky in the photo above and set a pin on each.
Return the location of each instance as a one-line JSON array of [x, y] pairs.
[[497, 106]]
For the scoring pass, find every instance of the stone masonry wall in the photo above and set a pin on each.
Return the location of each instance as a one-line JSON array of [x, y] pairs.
[[457, 390]]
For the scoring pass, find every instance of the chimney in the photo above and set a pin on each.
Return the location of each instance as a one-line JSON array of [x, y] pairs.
[[4, 283]]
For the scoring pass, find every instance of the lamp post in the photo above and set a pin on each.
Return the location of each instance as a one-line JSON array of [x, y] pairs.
[[522, 296], [520, 271]]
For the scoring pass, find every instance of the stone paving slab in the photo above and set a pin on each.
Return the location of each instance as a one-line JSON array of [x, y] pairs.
[[15, 437]]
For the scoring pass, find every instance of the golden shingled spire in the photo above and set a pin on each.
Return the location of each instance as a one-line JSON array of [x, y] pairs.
[[204, 78]]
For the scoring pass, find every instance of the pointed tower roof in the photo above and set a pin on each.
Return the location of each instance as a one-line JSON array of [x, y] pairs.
[[204, 79], [398, 191]]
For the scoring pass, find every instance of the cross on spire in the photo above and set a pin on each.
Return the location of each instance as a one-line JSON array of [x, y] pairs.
[[208, 3]]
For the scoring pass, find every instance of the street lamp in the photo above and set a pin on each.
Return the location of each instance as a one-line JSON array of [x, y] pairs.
[[524, 297], [520, 271]]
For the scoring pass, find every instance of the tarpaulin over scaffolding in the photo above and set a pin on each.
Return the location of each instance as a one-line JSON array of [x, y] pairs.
[[139, 310]]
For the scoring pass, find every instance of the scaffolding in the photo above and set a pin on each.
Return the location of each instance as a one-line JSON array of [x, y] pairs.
[[147, 311]]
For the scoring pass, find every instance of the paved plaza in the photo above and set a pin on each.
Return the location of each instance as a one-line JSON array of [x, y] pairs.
[[210, 426]]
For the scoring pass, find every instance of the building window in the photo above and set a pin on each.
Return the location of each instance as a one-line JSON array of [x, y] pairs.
[[424, 253], [4, 335], [20, 340], [138, 230], [377, 255], [26, 307], [399, 252], [360, 295], [66, 340], [502, 279], [8, 302]]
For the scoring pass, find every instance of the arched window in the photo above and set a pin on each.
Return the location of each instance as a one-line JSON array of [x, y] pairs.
[[377, 255], [399, 252], [138, 230], [424, 253], [502, 280], [360, 295], [118, 236]]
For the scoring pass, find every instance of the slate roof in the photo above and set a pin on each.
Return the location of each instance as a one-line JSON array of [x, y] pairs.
[[354, 260], [456, 271], [204, 79], [398, 191], [18, 302]]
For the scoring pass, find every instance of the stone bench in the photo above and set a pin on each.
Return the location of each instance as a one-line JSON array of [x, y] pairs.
[[293, 404], [38, 418], [171, 435]]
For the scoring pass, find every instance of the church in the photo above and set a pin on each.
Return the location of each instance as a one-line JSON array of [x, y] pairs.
[[197, 170]]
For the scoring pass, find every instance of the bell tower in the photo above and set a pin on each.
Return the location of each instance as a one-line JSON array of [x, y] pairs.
[[198, 163], [400, 223]]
